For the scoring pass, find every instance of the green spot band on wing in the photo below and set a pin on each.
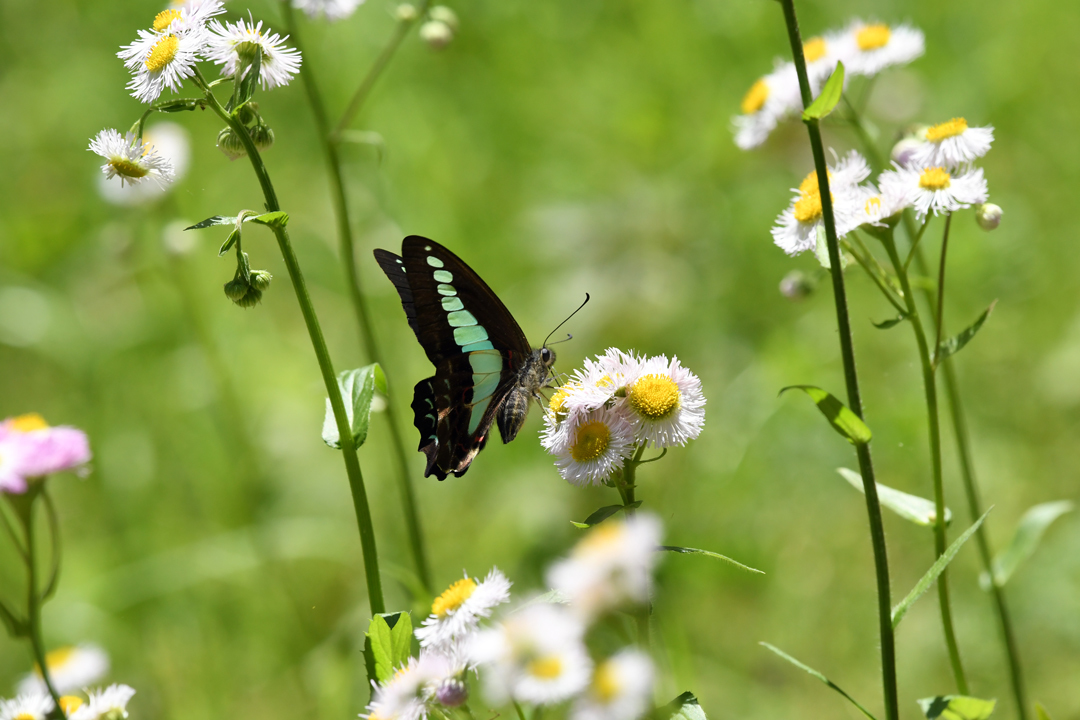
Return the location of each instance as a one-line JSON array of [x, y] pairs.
[[477, 414], [434, 261], [446, 289], [489, 361], [484, 385], [461, 318], [468, 335], [473, 347], [443, 276], [452, 303]]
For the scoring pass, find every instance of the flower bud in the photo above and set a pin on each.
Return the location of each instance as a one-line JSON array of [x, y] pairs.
[[436, 34], [230, 144], [904, 150], [260, 279], [262, 136], [452, 693], [797, 285], [988, 215], [236, 290], [444, 15], [406, 12]]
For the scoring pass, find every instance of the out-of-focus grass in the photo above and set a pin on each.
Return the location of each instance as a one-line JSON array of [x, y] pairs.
[[560, 147]]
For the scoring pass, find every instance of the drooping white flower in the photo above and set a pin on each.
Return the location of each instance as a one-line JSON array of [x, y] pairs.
[[170, 145], [279, 62], [610, 567], [935, 189], [456, 613], [768, 101], [797, 226], [535, 655], [621, 689], [953, 144], [70, 668], [589, 447], [868, 48], [130, 160], [330, 9], [33, 705], [879, 206], [665, 403], [108, 704]]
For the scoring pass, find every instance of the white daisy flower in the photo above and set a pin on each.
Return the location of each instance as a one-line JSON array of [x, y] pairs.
[[952, 144], [108, 704], [34, 705], [621, 689], [610, 567], [879, 206], [767, 102], [170, 144], [456, 613], [70, 668], [591, 446], [536, 655], [408, 695], [869, 48], [665, 403], [935, 189], [130, 160], [163, 59], [796, 228], [330, 9], [279, 63]]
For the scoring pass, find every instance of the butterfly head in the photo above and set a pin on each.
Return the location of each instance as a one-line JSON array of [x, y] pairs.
[[547, 356]]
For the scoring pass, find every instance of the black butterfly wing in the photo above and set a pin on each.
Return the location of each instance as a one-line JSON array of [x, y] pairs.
[[471, 338]]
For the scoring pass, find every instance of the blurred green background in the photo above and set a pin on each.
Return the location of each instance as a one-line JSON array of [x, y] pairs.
[[559, 147]]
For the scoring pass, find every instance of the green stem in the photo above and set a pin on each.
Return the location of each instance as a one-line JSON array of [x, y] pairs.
[[917, 235], [941, 288], [930, 389], [520, 712], [873, 272], [348, 449], [877, 162], [16, 541], [346, 247], [54, 540], [873, 507], [34, 600]]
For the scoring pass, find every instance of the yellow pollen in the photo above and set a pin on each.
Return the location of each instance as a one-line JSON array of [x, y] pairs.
[[605, 684], [814, 49], [810, 183], [755, 98], [557, 404], [162, 53], [546, 668], [70, 703], [873, 37], [28, 423], [935, 178], [656, 397], [58, 657], [591, 441], [939, 132], [128, 168], [605, 381], [599, 538], [873, 205], [164, 18], [454, 596], [25, 716]]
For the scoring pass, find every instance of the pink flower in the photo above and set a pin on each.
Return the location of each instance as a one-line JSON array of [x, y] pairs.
[[29, 448]]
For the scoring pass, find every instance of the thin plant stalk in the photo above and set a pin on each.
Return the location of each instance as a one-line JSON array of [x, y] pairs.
[[866, 466], [348, 448], [347, 248], [934, 430], [34, 599]]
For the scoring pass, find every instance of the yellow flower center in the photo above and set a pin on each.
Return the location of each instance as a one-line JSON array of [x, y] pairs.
[[128, 168], [605, 684], [591, 441], [814, 49], [656, 397], [453, 598], [546, 668], [70, 703], [873, 37], [58, 657], [873, 205], [164, 18], [28, 423], [755, 98], [162, 53], [25, 716], [935, 178], [600, 538], [939, 132], [557, 404]]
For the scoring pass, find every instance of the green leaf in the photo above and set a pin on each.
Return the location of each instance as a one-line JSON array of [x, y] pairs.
[[1028, 534], [892, 322], [357, 390], [842, 420], [931, 575], [819, 676], [718, 556], [181, 105], [829, 97], [956, 707], [212, 221], [1040, 712], [390, 635], [277, 219], [684, 707], [229, 242], [603, 514], [910, 507], [956, 343]]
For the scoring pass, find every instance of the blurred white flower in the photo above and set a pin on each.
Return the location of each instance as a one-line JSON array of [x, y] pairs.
[[988, 216], [665, 403], [279, 62], [169, 142], [409, 694], [33, 705], [868, 48], [796, 227], [70, 668], [589, 447], [935, 189], [330, 9], [621, 689], [952, 144], [767, 102], [130, 160], [108, 704], [456, 613], [888, 202]]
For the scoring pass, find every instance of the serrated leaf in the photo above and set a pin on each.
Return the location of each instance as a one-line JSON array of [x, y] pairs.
[[910, 507], [718, 556], [956, 707], [684, 707], [212, 221], [826, 101], [819, 676], [276, 219], [956, 343], [932, 574], [1028, 534], [390, 635], [357, 390], [892, 322], [839, 416], [603, 514]]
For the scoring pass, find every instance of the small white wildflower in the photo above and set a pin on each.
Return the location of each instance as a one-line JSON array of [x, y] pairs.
[[797, 226], [935, 189], [108, 704], [279, 62], [33, 705], [169, 143], [129, 159], [591, 446], [665, 403], [70, 668], [330, 9], [881, 206], [953, 144], [869, 48], [456, 613], [621, 689], [409, 693], [768, 101], [160, 60]]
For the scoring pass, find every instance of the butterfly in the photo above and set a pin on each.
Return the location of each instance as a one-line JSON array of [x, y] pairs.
[[485, 369]]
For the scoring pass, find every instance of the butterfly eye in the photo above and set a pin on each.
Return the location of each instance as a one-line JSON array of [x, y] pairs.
[[548, 356]]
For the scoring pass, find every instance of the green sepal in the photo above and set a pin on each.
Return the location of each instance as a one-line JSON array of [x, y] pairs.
[[357, 390], [932, 574], [212, 221], [180, 105], [839, 416], [718, 556], [684, 707], [956, 343], [229, 242], [1028, 534], [245, 89], [277, 219], [390, 635], [826, 101], [956, 707], [819, 676], [910, 507], [603, 514], [891, 322]]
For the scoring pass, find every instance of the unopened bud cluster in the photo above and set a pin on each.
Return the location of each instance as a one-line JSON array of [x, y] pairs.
[[248, 292], [440, 27]]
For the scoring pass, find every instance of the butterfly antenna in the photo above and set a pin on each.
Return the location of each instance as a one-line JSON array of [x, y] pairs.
[[568, 336]]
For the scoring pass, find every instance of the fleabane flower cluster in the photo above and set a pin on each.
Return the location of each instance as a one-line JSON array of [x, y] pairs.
[[865, 48], [615, 406], [797, 228], [30, 449], [107, 704]]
